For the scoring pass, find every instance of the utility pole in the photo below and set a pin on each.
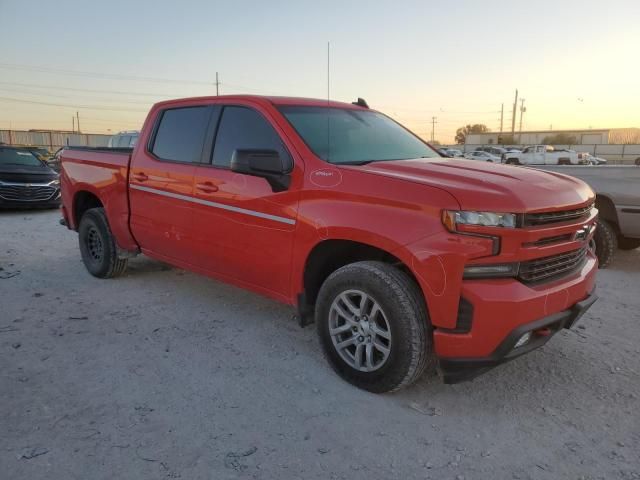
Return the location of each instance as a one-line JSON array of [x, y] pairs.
[[78, 118], [217, 85], [513, 116], [522, 110], [73, 124], [501, 117], [434, 120]]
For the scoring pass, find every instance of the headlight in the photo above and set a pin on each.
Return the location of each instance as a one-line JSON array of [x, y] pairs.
[[452, 218], [54, 183]]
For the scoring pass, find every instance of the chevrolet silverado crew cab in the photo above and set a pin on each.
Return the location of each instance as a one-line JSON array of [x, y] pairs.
[[406, 261]]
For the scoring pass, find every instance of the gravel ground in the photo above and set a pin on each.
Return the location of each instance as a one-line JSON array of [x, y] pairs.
[[167, 374]]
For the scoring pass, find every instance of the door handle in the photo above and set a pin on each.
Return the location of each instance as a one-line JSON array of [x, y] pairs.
[[140, 177], [206, 187]]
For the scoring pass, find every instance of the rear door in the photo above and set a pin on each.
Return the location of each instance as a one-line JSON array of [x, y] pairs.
[[244, 231], [161, 182]]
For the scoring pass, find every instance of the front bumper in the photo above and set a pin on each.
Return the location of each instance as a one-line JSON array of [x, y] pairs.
[[455, 370]]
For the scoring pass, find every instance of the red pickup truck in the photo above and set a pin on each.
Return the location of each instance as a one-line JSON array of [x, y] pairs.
[[406, 261]]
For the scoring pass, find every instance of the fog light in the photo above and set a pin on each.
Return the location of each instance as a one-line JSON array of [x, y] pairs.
[[491, 271], [523, 340]]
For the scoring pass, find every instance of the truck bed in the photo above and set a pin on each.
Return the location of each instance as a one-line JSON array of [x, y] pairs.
[[104, 172]]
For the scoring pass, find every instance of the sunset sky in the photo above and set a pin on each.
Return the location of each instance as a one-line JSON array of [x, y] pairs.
[[575, 62]]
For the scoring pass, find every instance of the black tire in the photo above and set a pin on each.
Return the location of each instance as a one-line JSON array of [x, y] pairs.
[[564, 161], [626, 243], [513, 161], [98, 246], [606, 243], [410, 346], [638, 161]]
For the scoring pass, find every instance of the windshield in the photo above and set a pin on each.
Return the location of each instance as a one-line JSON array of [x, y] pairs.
[[13, 156], [345, 136]]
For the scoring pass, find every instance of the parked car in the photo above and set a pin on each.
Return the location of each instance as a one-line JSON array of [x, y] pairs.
[[589, 159], [497, 151], [26, 181], [406, 261], [483, 156], [542, 155], [125, 139], [454, 152], [444, 152], [617, 190]]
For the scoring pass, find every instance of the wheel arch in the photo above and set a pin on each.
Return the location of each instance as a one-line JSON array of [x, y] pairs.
[[329, 255], [607, 210], [84, 200]]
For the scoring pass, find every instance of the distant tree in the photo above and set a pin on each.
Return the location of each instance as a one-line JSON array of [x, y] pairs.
[[462, 132], [506, 140], [560, 139]]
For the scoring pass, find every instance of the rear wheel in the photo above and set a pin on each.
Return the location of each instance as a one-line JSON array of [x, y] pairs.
[[373, 326], [626, 243], [606, 243], [98, 247], [513, 161]]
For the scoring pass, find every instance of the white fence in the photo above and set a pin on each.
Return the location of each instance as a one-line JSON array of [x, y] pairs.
[[614, 153], [53, 140]]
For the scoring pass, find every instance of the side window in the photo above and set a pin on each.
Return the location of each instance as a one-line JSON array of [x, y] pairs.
[[242, 127], [526, 150], [180, 134]]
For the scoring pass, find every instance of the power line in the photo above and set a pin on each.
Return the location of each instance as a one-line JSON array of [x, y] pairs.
[[74, 89], [26, 92], [90, 107], [113, 76]]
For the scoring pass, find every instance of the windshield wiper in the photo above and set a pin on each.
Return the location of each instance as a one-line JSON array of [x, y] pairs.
[[355, 162]]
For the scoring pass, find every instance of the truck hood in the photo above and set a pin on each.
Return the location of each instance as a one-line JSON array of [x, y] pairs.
[[485, 186]]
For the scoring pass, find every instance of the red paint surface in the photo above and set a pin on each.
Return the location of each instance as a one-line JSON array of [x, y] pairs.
[[394, 206]]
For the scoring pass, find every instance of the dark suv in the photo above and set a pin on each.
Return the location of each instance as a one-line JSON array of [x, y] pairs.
[[25, 180]]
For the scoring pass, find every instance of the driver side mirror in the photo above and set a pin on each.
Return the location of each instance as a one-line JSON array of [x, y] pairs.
[[267, 164]]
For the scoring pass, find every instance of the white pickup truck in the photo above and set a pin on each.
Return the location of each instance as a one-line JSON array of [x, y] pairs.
[[541, 155]]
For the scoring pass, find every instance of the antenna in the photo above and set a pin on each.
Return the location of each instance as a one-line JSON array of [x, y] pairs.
[[328, 99], [328, 72]]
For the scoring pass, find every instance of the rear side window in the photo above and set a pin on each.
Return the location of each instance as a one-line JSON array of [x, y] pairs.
[[241, 128], [180, 134]]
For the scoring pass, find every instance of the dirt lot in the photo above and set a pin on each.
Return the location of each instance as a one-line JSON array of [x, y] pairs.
[[166, 374]]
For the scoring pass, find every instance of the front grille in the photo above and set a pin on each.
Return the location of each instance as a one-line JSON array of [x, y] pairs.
[[33, 193], [549, 240], [550, 268], [544, 218]]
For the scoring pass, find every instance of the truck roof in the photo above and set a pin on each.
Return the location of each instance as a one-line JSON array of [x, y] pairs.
[[274, 100]]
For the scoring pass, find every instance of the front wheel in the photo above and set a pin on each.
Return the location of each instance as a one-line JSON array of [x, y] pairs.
[[98, 247], [373, 326], [606, 243]]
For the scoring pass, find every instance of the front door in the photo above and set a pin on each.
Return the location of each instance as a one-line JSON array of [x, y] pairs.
[[161, 182], [245, 230]]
